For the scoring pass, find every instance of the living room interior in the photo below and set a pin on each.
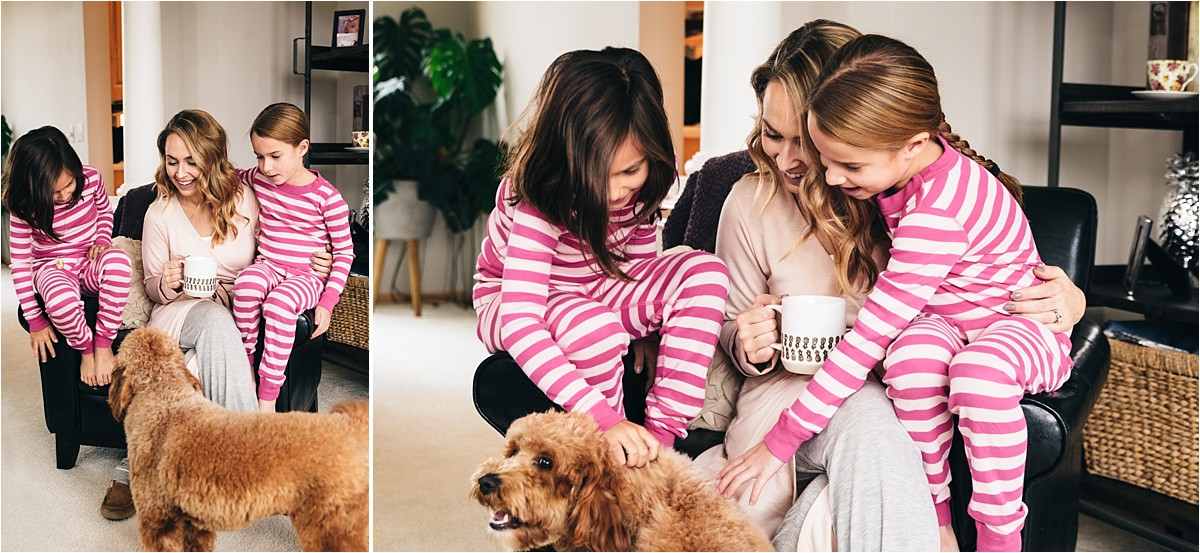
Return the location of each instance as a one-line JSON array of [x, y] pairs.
[[997, 65], [229, 59]]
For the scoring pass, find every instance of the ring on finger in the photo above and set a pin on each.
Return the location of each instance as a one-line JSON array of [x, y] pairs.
[[1057, 316]]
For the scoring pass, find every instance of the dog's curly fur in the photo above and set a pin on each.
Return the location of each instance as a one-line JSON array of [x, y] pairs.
[[558, 485], [197, 468]]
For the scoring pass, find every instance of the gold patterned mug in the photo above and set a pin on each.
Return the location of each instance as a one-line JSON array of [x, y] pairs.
[[1170, 75], [809, 328]]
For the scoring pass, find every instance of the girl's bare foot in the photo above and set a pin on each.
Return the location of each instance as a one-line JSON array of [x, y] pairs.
[[266, 406], [949, 540], [105, 362], [87, 369]]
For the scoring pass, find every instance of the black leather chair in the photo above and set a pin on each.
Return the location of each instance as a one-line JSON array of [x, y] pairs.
[[1064, 225], [78, 414]]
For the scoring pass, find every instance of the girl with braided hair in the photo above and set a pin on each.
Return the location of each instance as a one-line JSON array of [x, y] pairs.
[[874, 128]]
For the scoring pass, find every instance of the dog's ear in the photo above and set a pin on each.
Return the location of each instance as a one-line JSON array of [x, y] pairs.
[[596, 523], [120, 393]]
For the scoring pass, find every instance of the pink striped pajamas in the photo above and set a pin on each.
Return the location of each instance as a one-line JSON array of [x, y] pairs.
[[960, 245], [568, 325], [59, 272], [295, 222]]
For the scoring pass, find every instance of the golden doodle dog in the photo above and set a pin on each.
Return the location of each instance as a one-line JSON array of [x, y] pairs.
[[559, 485], [196, 468]]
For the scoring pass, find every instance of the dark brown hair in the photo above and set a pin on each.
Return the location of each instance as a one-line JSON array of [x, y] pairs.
[[34, 164], [586, 105]]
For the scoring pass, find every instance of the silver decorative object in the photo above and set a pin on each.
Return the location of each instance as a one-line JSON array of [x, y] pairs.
[[1179, 217], [364, 217]]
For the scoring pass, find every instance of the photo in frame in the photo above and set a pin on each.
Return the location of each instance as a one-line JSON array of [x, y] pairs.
[[1137, 253], [348, 28]]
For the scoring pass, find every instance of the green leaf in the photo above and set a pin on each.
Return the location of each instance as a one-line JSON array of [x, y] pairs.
[[467, 74]]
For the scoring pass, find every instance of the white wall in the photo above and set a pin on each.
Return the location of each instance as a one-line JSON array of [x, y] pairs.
[[992, 61], [42, 56], [993, 65], [232, 59], [527, 37]]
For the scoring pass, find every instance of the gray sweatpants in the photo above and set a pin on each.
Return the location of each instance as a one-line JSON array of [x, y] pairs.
[[210, 336], [878, 493]]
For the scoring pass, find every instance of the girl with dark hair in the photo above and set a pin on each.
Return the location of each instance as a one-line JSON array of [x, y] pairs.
[[61, 233], [570, 274]]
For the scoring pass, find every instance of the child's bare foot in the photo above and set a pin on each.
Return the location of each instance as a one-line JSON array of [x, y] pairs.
[[266, 406], [949, 540], [87, 369], [105, 362]]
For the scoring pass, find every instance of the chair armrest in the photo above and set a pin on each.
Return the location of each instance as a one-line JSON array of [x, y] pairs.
[[1056, 419]]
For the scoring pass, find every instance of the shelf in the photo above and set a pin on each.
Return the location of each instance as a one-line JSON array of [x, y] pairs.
[[1089, 105], [1152, 299], [350, 58], [335, 153], [1152, 516]]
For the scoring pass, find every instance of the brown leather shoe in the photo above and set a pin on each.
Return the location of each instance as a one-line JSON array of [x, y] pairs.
[[118, 502]]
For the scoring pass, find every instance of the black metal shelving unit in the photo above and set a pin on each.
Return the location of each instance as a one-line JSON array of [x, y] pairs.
[[355, 59], [324, 58], [1164, 520]]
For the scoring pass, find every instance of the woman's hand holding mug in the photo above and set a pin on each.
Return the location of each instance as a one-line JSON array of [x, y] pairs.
[[757, 329], [172, 276]]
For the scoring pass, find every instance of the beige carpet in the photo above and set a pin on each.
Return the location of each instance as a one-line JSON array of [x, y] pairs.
[[43, 508], [428, 437]]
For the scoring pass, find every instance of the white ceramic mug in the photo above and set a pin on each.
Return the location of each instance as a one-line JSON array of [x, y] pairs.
[[809, 328], [199, 276], [1170, 75]]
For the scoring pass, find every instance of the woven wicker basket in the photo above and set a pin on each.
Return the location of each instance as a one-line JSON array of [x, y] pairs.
[[351, 320], [1143, 430]]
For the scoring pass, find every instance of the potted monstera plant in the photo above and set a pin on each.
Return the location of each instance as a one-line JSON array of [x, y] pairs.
[[430, 86]]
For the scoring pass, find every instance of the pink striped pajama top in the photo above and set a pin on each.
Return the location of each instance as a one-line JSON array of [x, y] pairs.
[[524, 257], [296, 221], [86, 223], [960, 245]]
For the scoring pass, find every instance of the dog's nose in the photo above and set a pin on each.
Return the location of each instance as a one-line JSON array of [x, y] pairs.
[[488, 483]]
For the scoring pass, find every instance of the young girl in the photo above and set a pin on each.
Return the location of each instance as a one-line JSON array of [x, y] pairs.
[[568, 275], [61, 230], [299, 212], [960, 245]]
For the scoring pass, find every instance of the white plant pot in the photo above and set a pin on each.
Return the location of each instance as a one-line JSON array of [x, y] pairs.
[[402, 216]]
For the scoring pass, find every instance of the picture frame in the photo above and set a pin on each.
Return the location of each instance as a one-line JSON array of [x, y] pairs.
[[1137, 254], [348, 26]]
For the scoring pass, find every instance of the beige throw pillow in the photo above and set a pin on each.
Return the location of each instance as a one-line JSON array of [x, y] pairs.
[[138, 305], [720, 394], [721, 391]]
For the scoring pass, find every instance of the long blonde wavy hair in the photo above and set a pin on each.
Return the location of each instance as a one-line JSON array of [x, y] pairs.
[[851, 229], [877, 93], [218, 183]]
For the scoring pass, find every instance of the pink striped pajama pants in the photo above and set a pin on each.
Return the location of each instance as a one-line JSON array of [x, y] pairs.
[[680, 296], [106, 276], [935, 370], [267, 293]]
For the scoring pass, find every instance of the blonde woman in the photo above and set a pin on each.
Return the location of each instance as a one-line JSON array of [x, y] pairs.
[[202, 209], [780, 237]]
